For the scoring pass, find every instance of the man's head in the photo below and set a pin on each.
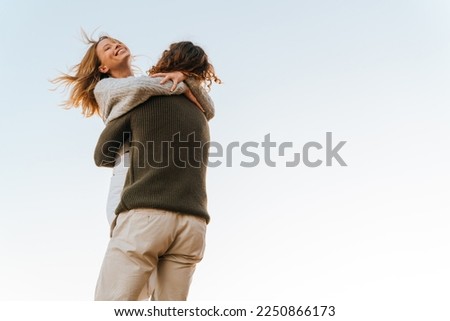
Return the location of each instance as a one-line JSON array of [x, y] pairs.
[[188, 58]]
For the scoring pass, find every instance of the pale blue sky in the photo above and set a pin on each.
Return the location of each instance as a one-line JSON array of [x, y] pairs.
[[375, 73]]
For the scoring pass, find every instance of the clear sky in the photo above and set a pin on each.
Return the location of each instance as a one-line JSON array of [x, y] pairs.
[[374, 73]]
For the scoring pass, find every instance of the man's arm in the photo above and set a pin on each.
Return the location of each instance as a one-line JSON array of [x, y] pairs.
[[111, 140]]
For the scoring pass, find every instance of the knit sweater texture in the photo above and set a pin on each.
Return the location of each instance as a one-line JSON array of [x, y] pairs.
[[169, 153], [117, 96]]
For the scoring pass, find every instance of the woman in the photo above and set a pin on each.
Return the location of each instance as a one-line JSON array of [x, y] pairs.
[[117, 92], [105, 74]]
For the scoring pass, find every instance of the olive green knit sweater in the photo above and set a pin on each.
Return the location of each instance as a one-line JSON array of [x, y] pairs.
[[169, 141]]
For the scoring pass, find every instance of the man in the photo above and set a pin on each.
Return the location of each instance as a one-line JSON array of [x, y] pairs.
[[162, 215]]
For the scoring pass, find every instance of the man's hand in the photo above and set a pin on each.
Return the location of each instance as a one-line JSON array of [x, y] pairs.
[[175, 76]]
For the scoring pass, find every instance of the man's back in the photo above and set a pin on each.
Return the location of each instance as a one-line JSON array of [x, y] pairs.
[[169, 154]]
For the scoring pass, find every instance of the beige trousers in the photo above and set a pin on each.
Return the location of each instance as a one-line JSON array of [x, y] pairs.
[[145, 240]]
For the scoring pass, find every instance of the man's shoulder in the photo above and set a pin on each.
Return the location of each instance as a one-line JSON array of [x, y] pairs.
[[166, 101], [175, 107]]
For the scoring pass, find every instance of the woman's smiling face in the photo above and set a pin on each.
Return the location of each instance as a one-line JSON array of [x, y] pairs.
[[113, 55]]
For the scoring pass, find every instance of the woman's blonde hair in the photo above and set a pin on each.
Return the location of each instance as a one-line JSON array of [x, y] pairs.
[[85, 76], [188, 58]]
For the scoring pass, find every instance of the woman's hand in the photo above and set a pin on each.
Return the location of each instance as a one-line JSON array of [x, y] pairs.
[[175, 76], [188, 93]]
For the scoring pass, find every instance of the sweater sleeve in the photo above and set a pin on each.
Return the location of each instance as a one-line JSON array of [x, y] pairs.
[[202, 96], [117, 96], [111, 140]]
